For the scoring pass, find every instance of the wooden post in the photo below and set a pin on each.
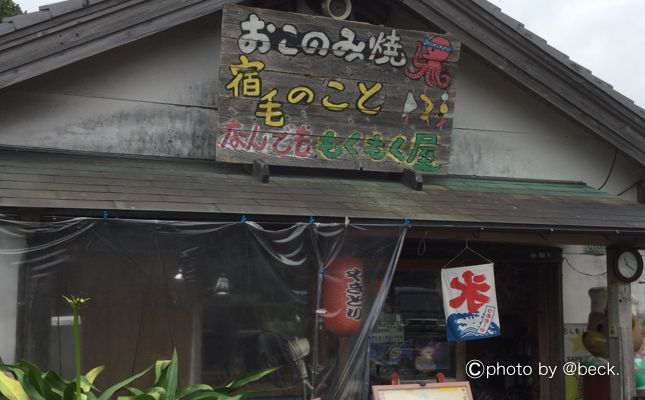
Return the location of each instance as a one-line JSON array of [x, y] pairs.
[[619, 320], [412, 179], [550, 327]]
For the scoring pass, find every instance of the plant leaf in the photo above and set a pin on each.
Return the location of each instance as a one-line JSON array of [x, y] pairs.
[[91, 375], [143, 396], [11, 388], [135, 391], [193, 389], [30, 378], [215, 396], [54, 381], [156, 392], [108, 393], [170, 384], [160, 370], [87, 380], [244, 380]]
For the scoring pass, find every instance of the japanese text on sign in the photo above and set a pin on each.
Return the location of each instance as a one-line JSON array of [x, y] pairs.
[[346, 95]]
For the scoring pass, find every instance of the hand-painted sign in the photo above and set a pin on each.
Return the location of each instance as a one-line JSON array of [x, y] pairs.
[[470, 302], [312, 91]]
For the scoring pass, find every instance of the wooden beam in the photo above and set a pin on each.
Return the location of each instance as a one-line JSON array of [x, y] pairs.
[[527, 237], [412, 179], [619, 318], [261, 171], [550, 327], [640, 192]]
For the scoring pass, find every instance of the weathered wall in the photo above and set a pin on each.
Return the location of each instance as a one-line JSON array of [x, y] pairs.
[[156, 96], [500, 130]]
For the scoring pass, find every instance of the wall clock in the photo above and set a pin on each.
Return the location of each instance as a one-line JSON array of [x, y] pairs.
[[628, 265]]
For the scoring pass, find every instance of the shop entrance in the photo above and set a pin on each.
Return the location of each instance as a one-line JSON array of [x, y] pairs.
[[409, 339]]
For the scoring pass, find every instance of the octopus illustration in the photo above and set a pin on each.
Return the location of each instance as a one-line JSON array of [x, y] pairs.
[[428, 59]]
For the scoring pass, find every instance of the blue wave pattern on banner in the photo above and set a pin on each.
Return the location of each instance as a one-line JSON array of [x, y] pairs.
[[465, 327]]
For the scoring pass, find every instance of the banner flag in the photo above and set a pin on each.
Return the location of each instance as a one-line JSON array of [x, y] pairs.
[[470, 302]]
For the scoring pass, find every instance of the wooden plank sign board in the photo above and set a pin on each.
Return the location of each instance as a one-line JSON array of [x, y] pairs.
[[430, 391], [311, 91]]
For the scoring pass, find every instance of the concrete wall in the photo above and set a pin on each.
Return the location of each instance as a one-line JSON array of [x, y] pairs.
[[156, 96], [500, 130]]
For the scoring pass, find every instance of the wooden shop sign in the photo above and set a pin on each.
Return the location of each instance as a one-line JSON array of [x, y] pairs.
[[310, 91]]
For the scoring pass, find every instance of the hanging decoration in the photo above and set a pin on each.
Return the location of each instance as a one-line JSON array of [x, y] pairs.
[[343, 295], [470, 302]]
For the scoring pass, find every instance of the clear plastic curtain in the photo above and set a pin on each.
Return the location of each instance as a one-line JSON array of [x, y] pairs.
[[230, 297]]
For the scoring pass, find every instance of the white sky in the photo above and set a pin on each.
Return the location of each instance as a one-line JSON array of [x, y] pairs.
[[605, 36]]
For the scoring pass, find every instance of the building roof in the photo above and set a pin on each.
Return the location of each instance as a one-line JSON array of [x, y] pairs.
[[62, 33], [89, 182]]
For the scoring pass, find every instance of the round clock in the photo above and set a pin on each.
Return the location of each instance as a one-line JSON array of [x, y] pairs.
[[628, 265]]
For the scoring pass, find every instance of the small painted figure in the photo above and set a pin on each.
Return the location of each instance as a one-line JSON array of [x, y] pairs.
[[428, 60]]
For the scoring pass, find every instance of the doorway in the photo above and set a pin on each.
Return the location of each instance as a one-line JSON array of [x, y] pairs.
[[409, 338]]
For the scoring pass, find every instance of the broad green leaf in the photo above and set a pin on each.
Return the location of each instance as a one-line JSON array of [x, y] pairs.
[[91, 375], [33, 381], [87, 380], [70, 393], [160, 369], [56, 384], [11, 388], [24, 373], [54, 381], [91, 396], [265, 392], [215, 396], [143, 396], [246, 379], [108, 393], [134, 391], [156, 392], [170, 384], [193, 389]]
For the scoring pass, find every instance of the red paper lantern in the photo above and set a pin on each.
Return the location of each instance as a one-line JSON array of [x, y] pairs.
[[343, 295]]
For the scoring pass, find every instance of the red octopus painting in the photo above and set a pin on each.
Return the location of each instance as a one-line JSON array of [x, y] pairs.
[[428, 59]]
